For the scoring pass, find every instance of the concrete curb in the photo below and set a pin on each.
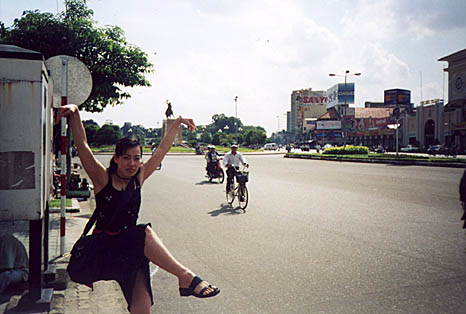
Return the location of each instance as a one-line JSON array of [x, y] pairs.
[[382, 161]]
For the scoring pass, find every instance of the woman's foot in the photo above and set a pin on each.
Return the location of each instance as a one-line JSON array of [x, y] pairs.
[[191, 284]]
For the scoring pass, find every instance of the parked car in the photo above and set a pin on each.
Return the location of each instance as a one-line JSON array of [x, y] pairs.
[[410, 149], [270, 146]]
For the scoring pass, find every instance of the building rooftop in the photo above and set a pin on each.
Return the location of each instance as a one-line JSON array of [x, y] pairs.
[[15, 52], [461, 54], [331, 114]]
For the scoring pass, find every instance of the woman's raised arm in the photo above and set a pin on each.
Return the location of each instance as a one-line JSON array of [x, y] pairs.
[[167, 141], [94, 168]]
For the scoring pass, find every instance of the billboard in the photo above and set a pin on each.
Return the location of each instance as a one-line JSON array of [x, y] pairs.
[[314, 97], [372, 123], [397, 97], [340, 94], [328, 125]]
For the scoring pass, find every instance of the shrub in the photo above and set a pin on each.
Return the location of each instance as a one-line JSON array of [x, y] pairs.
[[347, 150]]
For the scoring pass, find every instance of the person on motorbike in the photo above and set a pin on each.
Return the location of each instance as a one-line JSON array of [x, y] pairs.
[[211, 156], [232, 161]]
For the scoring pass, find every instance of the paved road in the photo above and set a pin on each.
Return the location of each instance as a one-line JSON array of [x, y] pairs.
[[317, 237]]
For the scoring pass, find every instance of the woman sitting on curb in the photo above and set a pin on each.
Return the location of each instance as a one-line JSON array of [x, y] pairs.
[[131, 246]]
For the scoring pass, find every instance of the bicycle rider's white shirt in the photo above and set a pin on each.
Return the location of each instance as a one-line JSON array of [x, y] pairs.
[[234, 160]]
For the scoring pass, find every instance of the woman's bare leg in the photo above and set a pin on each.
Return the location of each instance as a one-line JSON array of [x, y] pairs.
[[158, 254], [141, 301]]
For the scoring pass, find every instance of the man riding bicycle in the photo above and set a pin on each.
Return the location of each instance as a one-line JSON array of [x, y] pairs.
[[211, 156], [232, 161]]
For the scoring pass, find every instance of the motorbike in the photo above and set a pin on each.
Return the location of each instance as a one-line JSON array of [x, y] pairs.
[[442, 150], [215, 171], [380, 150]]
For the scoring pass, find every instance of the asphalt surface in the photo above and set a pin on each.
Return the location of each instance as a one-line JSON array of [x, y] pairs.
[[317, 237]]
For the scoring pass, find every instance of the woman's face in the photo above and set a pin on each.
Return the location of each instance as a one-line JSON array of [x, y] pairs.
[[129, 162]]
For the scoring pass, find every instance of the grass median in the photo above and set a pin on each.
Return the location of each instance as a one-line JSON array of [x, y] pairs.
[[404, 157]]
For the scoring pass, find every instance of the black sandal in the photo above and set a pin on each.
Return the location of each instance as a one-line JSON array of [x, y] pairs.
[[186, 292]]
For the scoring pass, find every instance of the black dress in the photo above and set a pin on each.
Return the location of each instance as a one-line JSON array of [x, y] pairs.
[[123, 238]]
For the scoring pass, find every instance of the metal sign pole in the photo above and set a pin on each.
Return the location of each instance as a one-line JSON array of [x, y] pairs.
[[64, 101], [396, 115]]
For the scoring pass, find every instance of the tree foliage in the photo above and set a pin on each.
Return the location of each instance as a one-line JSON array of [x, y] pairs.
[[90, 122], [224, 123], [91, 133], [112, 61], [227, 130], [206, 137], [255, 137], [108, 134]]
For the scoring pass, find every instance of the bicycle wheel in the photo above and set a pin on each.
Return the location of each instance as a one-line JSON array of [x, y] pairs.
[[243, 196], [231, 195], [221, 176]]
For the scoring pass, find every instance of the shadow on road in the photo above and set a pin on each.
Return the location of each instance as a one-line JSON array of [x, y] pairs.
[[226, 209], [207, 182], [400, 165]]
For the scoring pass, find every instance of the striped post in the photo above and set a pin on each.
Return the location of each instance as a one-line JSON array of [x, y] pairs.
[[64, 101], [63, 186]]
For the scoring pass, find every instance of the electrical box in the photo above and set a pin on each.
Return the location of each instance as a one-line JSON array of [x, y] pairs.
[[25, 134]]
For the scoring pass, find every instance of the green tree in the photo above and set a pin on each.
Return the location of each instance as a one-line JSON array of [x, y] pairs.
[[108, 134], [90, 122], [190, 136], [112, 61], [206, 137], [255, 137], [91, 132], [247, 128], [228, 139], [216, 138], [238, 138], [224, 123]]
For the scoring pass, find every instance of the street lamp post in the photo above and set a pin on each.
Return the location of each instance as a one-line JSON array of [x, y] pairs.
[[344, 111], [236, 107], [236, 115]]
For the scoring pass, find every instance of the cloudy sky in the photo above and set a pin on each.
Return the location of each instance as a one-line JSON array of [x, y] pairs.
[[206, 52]]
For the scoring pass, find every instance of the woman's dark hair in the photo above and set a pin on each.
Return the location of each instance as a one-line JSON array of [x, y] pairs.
[[121, 147]]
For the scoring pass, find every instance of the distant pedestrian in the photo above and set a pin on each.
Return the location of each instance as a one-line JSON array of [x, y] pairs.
[[130, 246]]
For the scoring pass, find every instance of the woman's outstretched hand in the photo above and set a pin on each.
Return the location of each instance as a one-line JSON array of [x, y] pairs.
[[189, 124], [65, 111]]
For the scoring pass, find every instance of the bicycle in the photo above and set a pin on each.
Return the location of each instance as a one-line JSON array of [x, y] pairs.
[[239, 190]]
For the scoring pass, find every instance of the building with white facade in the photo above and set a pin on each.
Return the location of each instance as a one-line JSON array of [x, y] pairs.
[[305, 104]]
